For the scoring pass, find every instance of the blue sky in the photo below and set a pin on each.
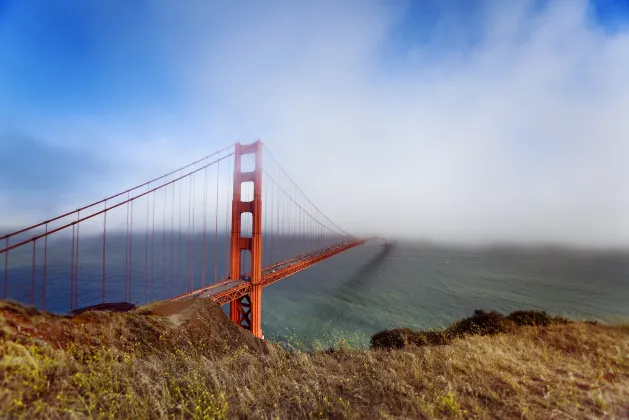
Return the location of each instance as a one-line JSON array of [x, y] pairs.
[[95, 96], [81, 58], [91, 58]]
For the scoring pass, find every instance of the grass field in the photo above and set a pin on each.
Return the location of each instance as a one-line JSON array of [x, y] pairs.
[[187, 360]]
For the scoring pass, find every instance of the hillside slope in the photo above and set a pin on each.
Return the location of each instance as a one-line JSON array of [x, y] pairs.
[[187, 360]]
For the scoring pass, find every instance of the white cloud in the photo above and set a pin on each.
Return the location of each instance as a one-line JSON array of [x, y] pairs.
[[523, 137]]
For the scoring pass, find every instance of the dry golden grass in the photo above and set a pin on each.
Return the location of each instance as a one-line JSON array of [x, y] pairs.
[[192, 362]]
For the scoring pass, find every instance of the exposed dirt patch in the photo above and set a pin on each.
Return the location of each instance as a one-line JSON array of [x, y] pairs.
[[177, 310], [205, 322]]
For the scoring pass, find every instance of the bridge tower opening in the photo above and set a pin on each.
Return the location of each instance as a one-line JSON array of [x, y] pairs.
[[247, 310]]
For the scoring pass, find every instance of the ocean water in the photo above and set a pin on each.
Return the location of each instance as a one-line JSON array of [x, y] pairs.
[[371, 288], [352, 295]]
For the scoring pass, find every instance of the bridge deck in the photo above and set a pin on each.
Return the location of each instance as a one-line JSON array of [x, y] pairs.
[[231, 289]]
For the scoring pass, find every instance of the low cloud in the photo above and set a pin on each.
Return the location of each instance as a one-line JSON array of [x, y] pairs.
[[521, 136]]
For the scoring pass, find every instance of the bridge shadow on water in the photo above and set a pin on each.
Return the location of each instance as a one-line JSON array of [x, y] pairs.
[[342, 299], [366, 274]]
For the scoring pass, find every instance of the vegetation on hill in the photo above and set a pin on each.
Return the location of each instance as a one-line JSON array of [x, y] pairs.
[[187, 360], [481, 323]]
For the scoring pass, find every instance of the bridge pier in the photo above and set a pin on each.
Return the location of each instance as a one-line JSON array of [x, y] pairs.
[[247, 311]]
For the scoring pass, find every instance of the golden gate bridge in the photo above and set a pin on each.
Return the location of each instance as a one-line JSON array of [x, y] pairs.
[[169, 228]]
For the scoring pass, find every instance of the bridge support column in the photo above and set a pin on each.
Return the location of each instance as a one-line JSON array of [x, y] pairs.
[[247, 311]]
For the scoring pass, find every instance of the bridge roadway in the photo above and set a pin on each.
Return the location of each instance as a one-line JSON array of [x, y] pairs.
[[230, 289]]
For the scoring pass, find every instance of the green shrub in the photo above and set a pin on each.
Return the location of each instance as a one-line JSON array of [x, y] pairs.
[[391, 339], [535, 318], [401, 337], [482, 323]]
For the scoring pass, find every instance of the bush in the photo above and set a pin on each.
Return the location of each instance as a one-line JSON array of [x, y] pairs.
[[401, 337], [535, 318], [391, 339], [482, 323], [431, 338]]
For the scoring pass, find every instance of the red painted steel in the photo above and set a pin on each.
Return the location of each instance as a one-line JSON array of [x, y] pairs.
[[43, 299], [102, 291], [295, 222], [33, 273], [296, 265], [250, 318]]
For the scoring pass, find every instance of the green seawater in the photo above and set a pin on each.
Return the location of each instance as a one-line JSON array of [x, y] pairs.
[[425, 286]]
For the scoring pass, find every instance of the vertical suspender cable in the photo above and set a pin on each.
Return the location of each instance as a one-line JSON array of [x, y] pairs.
[[33, 273], [218, 168], [172, 241], [102, 286], [204, 249], [179, 268], [188, 262], [194, 190], [72, 271], [76, 262], [130, 257], [153, 248], [146, 246], [43, 299]]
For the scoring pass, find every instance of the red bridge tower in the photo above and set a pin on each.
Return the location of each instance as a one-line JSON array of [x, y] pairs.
[[247, 310]]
